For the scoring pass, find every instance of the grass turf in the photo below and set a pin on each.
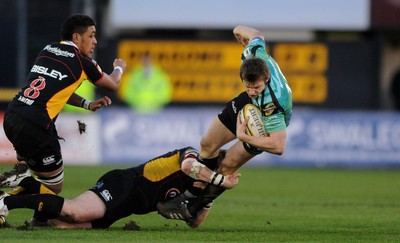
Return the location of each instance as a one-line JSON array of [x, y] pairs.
[[269, 205]]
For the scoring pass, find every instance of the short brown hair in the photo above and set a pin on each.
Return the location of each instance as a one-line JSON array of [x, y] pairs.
[[253, 69]]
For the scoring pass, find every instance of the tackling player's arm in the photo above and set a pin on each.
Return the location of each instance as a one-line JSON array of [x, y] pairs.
[[275, 143], [193, 168]]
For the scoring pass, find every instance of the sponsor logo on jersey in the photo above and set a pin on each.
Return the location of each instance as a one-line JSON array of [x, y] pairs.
[[246, 52], [58, 52], [234, 107], [25, 100], [172, 193], [269, 109], [40, 207], [60, 161], [44, 70], [106, 195], [99, 184], [48, 160]]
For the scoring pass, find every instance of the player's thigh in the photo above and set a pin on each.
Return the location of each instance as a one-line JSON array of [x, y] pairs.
[[236, 156], [86, 207], [60, 224], [216, 136]]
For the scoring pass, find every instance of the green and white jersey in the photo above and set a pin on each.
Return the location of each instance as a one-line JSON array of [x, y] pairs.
[[276, 114]]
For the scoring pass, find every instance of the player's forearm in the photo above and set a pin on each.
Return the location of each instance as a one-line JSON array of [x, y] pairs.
[[75, 100], [112, 81], [248, 33], [275, 143], [199, 171], [79, 101]]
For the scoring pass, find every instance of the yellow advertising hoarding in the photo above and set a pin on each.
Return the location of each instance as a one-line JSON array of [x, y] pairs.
[[208, 72]]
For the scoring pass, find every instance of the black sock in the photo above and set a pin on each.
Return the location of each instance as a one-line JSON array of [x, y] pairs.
[[211, 163], [47, 204], [195, 191], [33, 186], [208, 195], [40, 216]]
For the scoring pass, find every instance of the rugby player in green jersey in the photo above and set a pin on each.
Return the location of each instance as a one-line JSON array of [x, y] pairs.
[[266, 87]]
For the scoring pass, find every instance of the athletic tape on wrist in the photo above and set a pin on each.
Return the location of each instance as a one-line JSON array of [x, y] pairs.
[[82, 101], [217, 179], [119, 68], [86, 104]]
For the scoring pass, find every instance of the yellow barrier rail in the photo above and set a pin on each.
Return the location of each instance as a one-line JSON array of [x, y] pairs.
[[7, 94]]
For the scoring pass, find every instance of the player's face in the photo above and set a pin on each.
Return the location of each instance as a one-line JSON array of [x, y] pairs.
[[87, 42], [254, 89]]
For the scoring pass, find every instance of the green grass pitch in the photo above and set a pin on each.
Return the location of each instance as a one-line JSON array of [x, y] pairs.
[[269, 205]]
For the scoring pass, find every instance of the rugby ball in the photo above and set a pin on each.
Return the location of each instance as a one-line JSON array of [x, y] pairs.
[[255, 125]]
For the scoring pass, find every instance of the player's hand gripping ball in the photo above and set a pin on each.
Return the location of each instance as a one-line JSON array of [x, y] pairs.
[[255, 125]]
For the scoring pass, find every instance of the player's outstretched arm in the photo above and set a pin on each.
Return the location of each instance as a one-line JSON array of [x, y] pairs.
[[245, 34], [112, 81], [103, 101], [79, 101], [199, 171]]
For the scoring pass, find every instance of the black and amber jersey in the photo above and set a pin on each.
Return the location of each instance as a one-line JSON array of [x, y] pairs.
[[57, 72], [162, 178], [137, 190]]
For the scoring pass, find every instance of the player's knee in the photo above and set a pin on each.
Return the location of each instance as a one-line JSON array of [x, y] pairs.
[[208, 150], [74, 216], [56, 188], [227, 169], [53, 182], [204, 144], [73, 212]]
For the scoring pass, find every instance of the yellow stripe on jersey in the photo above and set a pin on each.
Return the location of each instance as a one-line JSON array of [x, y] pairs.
[[58, 101], [161, 167]]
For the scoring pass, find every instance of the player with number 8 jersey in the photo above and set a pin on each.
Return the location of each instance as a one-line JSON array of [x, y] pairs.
[[29, 122], [58, 71]]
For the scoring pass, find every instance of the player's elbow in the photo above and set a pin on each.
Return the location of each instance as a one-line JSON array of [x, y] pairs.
[[112, 86], [186, 167], [279, 142], [108, 82], [279, 151]]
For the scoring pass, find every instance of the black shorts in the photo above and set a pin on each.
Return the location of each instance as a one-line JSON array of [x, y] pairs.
[[38, 147], [118, 189], [229, 114]]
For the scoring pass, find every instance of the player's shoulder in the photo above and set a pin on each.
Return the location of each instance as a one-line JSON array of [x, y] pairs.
[[59, 50], [257, 40], [256, 47]]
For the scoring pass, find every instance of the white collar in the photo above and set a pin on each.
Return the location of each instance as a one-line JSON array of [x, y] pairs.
[[70, 43]]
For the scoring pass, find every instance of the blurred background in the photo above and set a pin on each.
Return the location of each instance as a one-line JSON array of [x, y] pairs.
[[341, 59]]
